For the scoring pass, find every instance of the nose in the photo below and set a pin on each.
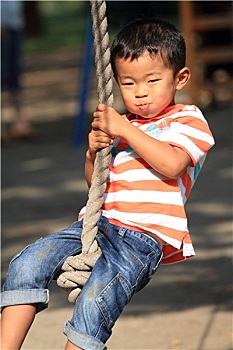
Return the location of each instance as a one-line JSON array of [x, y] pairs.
[[141, 91]]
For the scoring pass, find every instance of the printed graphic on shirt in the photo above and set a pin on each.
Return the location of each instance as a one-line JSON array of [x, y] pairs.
[[197, 170], [155, 130], [120, 146], [150, 129]]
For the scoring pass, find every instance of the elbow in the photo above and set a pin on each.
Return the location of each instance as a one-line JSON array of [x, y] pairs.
[[175, 171], [175, 175]]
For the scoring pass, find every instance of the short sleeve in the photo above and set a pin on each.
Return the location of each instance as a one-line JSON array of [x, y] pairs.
[[189, 130]]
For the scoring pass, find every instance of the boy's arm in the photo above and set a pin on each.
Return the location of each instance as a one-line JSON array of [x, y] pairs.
[[167, 159], [97, 139], [89, 166]]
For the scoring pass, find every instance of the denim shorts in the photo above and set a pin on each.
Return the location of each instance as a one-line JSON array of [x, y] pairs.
[[128, 261]]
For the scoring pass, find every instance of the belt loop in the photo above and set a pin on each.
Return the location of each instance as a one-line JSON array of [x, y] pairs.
[[122, 231]]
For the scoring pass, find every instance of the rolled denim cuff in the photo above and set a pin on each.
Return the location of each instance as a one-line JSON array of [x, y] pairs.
[[84, 341], [26, 296]]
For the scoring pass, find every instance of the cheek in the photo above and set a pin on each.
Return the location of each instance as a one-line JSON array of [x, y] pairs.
[[164, 93], [127, 97]]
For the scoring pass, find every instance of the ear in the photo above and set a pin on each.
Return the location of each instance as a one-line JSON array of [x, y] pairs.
[[182, 78]]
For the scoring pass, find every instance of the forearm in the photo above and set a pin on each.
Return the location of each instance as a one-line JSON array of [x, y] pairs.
[[164, 158], [89, 167]]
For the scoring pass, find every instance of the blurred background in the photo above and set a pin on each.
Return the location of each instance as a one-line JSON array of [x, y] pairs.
[[54, 45], [43, 185]]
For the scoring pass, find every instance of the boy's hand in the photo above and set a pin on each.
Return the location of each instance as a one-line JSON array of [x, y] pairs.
[[102, 135], [98, 139], [108, 120]]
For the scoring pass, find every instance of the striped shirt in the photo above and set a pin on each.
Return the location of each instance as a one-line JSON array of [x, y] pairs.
[[139, 198]]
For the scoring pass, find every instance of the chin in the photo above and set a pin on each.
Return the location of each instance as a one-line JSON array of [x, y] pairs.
[[147, 116]]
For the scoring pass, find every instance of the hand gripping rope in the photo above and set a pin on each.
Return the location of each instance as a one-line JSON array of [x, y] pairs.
[[78, 268]]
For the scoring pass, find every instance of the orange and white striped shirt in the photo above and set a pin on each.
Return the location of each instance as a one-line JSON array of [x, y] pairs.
[[139, 198]]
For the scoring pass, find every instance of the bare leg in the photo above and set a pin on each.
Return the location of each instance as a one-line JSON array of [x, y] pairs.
[[71, 346], [20, 126], [15, 323]]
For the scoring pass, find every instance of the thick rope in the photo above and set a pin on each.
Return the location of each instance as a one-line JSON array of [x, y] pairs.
[[77, 269]]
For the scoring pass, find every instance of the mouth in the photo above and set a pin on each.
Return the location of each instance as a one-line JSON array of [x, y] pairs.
[[143, 106]]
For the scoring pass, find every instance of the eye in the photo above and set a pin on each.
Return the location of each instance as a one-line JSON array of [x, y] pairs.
[[127, 84], [153, 81]]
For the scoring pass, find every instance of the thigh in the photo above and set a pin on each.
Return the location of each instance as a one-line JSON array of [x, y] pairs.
[[40, 262], [128, 261]]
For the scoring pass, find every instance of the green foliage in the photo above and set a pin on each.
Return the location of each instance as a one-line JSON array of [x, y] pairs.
[[63, 24]]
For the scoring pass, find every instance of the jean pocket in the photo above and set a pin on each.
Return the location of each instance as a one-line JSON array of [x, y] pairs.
[[154, 260], [113, 299]]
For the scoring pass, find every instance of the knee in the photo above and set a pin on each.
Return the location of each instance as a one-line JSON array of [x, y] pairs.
[[22, 272]]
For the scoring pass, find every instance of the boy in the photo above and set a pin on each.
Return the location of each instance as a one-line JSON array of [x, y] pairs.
[[158, 150]]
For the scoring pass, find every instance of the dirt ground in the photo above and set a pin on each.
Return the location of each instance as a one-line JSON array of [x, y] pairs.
[[186, 306]]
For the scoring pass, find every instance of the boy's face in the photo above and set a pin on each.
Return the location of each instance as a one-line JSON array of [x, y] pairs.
[[147, 86]]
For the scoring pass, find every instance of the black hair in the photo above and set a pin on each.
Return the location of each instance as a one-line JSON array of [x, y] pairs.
[[152, 35]]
